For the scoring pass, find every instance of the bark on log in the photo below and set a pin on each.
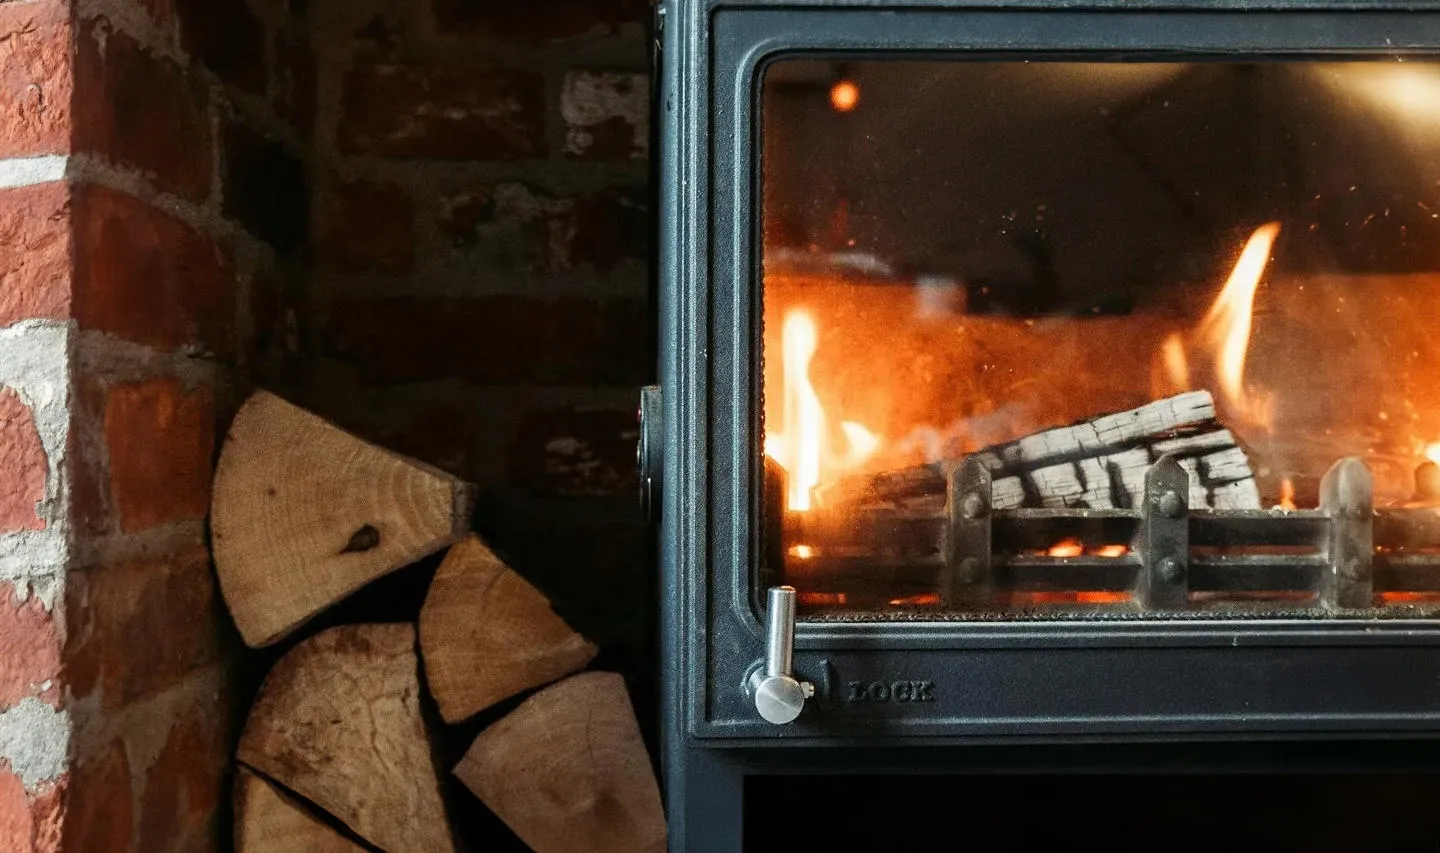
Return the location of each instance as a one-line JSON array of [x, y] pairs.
[[567, 771], [338, 722], [304, 514], [487, 634], [267, 820]]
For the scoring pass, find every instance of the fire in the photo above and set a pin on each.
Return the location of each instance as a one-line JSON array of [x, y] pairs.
[[1177, 365], [1226, 329], [804, 419], [804, 449], [1432, 452], [1287, 494], [1066, 548], [802, 552]]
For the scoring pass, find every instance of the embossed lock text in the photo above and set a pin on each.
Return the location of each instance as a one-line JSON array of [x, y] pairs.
[[890, 691]]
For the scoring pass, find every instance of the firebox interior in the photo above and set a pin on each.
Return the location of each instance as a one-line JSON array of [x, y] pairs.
[[1228, 271]]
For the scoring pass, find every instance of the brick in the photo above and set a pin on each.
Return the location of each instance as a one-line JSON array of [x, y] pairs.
[[407, 111], [293, 79], [265, 188], [29, 822], [35, 78], [89, 490], [98, 805], [606, 114], [227, 38], [35, 247], [29, 650], [160, 438], [365, 227], [140, 627], [24, 463], [560, 19], [495, 340], [140, 110], [575, 452], [521, 228], [147, 277], [183, 786]]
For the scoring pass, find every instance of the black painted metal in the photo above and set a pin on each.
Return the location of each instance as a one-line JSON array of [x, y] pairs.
[[966, 683]]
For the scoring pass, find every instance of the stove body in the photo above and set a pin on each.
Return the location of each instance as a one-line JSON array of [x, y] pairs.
[[965, 687]]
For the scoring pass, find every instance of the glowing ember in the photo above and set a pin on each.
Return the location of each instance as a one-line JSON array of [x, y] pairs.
[[928, 599], [802, 552], [1066, 548], [844, 96], [1112, 551], [1226, 329]]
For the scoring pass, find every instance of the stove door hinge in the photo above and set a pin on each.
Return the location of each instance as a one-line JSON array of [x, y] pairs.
[[649, 451]]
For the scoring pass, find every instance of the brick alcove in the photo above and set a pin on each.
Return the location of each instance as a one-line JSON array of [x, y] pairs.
[[424, 219]]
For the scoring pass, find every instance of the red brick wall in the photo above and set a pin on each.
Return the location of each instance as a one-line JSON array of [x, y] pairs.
[[153, 200], [481, 280], [426, 219]]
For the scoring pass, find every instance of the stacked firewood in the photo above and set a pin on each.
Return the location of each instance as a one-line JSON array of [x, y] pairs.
[[336, 754]]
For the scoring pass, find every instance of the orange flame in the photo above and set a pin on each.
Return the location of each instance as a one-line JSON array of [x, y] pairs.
[[1287, 494], [803, 448], [804, 419], [1226, 329], [1432, 452], [1177, 365]]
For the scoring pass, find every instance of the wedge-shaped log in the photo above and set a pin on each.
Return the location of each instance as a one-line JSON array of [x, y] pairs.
[[338, 722], [487, 634], [304, 514], [267, 820], [567, 771]]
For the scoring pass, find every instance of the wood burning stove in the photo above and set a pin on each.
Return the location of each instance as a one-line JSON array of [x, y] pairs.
[[1042, 373]]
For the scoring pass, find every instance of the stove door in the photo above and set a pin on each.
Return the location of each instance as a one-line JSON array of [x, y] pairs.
[[1030, 377]]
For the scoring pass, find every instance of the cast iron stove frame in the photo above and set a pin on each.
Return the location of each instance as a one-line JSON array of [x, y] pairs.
[[1041, 687]]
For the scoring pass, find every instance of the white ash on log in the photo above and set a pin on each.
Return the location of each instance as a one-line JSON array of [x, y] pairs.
[[486, 634], [338, 723], [303, 514], [1096, 464], [568, 771]]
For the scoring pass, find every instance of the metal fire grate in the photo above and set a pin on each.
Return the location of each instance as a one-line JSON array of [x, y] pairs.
[[1173, 560]]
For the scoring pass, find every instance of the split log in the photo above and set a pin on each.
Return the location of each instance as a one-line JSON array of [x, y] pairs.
[[487, 634], [567, 770], [338, 722], [1096, 464], [269, 821], [304, 514]]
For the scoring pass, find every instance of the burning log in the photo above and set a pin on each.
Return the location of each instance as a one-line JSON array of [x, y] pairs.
[[1095, 464]]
